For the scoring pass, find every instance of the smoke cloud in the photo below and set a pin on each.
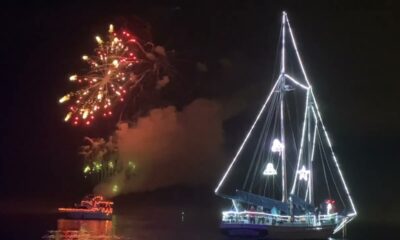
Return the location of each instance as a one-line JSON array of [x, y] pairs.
[[169, 147]]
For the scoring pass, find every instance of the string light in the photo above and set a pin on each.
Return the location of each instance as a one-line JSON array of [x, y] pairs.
[[354, 213], [247, 136]]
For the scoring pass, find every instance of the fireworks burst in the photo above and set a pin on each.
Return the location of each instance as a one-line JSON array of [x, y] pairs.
[[100, 156], [118, 67], [102, 159]]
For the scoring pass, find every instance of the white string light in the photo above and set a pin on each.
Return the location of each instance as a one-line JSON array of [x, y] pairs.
[[296, 82], [283, 43], [320, 118], [301, 143], [247, 136], [315, 133], [303, 173]]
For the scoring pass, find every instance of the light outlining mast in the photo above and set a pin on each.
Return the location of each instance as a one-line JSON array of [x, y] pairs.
[[312, 125], [282, 89], [245, 139], [350, 216], [310, 166], [311, 109]]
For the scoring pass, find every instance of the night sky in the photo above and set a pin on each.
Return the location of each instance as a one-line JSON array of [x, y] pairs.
[[350, 50]]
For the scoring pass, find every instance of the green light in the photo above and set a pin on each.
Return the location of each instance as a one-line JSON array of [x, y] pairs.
[[97, 166], [115, 188], [86, 169]]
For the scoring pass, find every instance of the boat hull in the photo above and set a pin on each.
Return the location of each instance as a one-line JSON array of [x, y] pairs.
[[276, 232], [244, 230], [86, 215]]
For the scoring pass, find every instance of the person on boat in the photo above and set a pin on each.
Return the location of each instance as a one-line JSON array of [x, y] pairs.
[[309, 217], [252, 216], [261, 218], [274, 210], [317, 212], [330, 206], [291, 212]]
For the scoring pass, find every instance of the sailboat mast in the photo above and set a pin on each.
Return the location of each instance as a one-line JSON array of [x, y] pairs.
[[310, 166], [284, 183], [282, 79]]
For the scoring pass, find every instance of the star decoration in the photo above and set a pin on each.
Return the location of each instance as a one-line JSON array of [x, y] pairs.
[[303, 173]]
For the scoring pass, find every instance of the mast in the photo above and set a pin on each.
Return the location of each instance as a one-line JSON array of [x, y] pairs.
[[284, 182], [310, 167], [282, 89]]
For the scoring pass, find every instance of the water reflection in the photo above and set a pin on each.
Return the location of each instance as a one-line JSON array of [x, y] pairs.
[[142, 223], [82, 229], [139, 227]]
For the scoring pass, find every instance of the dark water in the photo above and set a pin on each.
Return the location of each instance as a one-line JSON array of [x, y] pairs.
[[146, 222]]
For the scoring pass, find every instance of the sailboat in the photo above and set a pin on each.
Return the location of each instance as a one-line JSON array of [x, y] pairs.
[[285, 181]]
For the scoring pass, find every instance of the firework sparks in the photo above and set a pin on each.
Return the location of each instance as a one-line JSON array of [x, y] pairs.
[[119, 65], [102, 160], [100, 157]]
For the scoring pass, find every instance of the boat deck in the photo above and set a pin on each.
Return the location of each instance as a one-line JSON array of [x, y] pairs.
[[262, 218]]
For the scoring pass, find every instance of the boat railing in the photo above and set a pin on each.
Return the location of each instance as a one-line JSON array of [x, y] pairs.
[[249, 217]]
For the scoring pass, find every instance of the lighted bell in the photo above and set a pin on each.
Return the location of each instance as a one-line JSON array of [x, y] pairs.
[[277, 146], [269, 170]]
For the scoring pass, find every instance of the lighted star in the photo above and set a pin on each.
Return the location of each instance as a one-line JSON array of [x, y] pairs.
[[303, 173]]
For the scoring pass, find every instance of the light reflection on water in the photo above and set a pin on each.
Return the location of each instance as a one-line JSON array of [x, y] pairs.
[[141, 224], [149, 222], [82, 229], [68, 229], [155, 223]]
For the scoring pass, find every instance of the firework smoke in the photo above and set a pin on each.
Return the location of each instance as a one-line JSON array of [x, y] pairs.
[[168, 147]]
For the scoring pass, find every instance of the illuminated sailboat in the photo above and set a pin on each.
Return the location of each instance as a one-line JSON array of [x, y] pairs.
[[285, 181]]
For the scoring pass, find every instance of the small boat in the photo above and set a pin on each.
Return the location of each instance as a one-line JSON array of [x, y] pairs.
[[93, 207], [285, 181]]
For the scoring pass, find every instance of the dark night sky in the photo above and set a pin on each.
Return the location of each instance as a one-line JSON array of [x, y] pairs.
[[350, 49]]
